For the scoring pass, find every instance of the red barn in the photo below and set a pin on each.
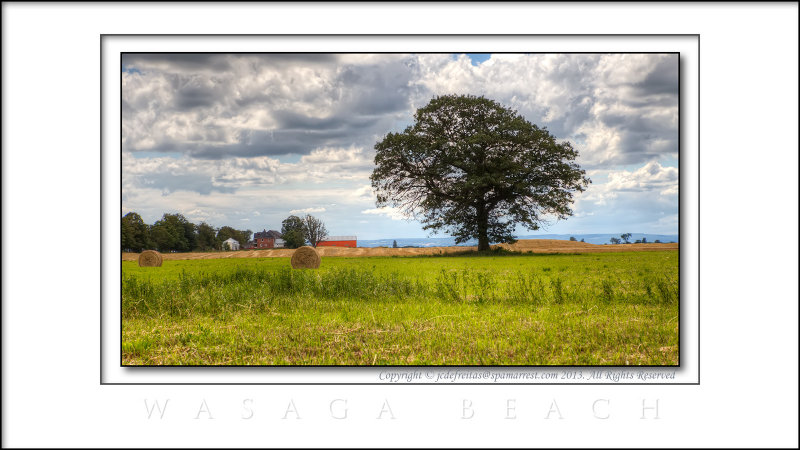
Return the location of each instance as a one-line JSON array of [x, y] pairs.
[[339, 241]]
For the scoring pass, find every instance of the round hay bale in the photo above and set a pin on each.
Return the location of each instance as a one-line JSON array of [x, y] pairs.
[[150, 258], [305, 257]]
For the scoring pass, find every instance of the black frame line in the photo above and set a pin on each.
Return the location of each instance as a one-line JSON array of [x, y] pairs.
[[397, 365], [404, 366], [408, 367]]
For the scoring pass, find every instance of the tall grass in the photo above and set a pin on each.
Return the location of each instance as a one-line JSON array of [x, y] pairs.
[[252, 288], [491, 309]]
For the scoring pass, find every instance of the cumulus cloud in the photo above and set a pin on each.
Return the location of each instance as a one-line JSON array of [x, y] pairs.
[[363, 192], [642, 199], [655, 182], [225, 136], [388, 211], [219, 106], [205, 177], [306, 210], [618, 109], [651, 176], [325, 164]]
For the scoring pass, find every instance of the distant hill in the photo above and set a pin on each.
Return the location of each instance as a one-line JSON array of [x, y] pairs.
[[449, 242], [605, 238]]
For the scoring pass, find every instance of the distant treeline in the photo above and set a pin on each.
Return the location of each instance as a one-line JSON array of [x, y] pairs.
[[175, 233]]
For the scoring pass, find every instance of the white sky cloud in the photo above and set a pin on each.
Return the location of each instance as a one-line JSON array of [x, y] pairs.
[[651, 176], [224, 138], [388, 211], [651, 179], [306, 210]]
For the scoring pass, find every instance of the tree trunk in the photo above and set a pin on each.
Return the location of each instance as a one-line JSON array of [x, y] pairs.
[[483, 230], [483, 242]]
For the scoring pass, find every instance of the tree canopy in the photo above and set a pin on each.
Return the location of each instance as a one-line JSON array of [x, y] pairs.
[[475, 169], [226, 232], [206, 237], [173, 232], [316, 231], [293, 231], [135, 233]]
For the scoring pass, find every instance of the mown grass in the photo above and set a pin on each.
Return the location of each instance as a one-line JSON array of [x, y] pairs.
[[531, 309]]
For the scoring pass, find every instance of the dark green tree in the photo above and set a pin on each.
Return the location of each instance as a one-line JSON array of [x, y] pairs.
[[129, 242], [245, 236], [572, 238], [162, 237], [190, 234], [206, 237], [476, 169], [615, 240], [293, 231], [394, 244], [226, 232], [223, 234], [135, 233], [173, 233], [626, 238]]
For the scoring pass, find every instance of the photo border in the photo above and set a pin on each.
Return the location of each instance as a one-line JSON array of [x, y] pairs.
[[412, 367]]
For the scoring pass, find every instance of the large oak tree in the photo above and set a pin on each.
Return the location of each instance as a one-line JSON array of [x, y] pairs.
[[475, 169]]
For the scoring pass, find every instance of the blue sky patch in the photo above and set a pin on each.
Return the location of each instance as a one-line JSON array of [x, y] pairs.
[[130, 69], [478, 58]]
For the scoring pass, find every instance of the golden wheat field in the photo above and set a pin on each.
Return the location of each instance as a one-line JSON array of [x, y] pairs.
[[525, 246]]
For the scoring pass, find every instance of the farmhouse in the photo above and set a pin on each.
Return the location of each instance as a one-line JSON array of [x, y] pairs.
[[339, 241], [267, 239], [232, 244]]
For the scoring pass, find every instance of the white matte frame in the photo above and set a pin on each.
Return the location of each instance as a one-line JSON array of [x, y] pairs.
[[113, 45]]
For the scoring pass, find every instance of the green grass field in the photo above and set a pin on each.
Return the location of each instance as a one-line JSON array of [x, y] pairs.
[[496, 309]]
